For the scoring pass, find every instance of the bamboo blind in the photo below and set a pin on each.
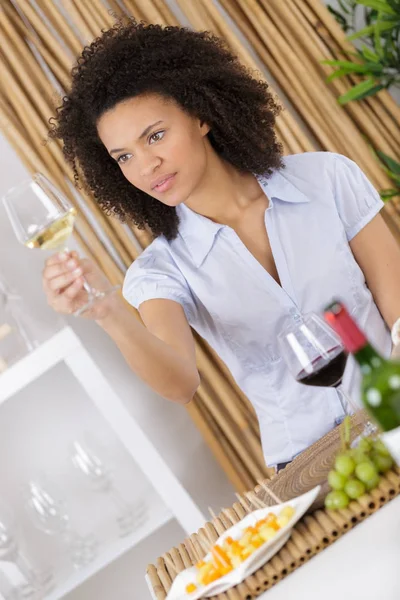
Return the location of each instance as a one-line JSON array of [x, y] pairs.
[[287, 39]]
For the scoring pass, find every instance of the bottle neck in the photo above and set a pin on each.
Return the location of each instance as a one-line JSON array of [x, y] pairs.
[[368, 358], [352, 337]]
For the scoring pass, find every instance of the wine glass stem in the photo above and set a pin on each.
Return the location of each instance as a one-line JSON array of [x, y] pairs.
[[69, 536], [369, 427], [119, 502], [348, 404], [26, 569]]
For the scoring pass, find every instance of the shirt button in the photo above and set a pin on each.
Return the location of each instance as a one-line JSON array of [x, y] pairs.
[[295, 315]]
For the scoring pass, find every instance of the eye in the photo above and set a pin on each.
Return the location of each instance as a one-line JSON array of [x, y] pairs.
[[123, 158], [157, 136]]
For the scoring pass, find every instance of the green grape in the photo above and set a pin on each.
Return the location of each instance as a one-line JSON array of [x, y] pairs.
[[382, 462], [336, 480], [366, 471], [344, 464], [380, 447], [337, 499], [373, 482], [354, 488], [359, 456], [365, 445]]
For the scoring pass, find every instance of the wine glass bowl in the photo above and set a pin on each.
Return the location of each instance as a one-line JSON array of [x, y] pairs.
[[90, 465], [49, 514], [40, 215], [313, 352], [94, 469], [33, 583], [315, 355], [8, 541], [43, 218]]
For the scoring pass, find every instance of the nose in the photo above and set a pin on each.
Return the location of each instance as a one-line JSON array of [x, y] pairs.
[[149, 164]]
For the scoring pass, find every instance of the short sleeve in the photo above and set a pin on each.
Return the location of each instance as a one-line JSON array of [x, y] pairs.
[[153, 275], [357, 200]]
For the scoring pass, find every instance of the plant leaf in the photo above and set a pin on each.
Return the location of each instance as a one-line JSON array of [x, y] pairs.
[[363, 32], [378, 27], [395, 5], [353, 67], [361, 90], [386, 25], [378, 44], [338, 73], [345, 8], [392, 164], [339, 18], [379, 5], [371, 92], [369, 54], [390, 193]]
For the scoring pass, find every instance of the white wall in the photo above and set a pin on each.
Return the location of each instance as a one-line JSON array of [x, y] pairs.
[[37, 424]]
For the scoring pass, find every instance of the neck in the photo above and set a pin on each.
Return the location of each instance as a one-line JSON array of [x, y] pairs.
[[224, 194]]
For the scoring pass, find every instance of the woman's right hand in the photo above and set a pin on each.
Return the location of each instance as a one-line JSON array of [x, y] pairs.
[[63, 280]]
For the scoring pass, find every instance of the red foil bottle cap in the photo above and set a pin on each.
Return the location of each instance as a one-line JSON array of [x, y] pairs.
[[339, 319]]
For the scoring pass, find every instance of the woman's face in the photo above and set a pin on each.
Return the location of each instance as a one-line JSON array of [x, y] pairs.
[[160, 149]]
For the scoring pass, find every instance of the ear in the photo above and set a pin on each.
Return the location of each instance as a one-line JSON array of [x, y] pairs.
[[204, 128]]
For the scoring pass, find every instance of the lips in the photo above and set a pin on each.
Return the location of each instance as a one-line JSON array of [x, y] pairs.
[[164, 183]]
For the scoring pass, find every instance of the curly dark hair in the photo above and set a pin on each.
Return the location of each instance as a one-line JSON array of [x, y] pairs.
[[196, 70]]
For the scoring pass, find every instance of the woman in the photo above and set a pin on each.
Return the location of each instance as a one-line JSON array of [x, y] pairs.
[[170, 131]]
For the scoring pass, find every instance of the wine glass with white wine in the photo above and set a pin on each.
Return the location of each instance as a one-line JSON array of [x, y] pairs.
[[42, 217]]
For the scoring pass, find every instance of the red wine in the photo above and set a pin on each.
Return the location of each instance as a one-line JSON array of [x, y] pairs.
[[328, 371]]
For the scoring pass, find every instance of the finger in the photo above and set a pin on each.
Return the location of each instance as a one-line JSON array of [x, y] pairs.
[[67, 301], [60, 268], [57, 258], [75, 288], [56, 284]]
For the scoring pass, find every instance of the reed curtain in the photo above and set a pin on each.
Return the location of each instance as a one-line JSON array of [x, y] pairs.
[[284, 42]]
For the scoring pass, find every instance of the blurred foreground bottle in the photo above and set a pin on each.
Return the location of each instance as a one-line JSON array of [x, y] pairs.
[[380, 384]]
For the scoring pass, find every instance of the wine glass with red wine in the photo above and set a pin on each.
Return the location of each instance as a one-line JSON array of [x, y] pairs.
[[315, 355]]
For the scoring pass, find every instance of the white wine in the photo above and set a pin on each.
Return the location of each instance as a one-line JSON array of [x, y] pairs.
[[55, 234]]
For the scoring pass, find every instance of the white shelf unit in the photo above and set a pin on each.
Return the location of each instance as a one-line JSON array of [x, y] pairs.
[[160, 515], [171, 501]]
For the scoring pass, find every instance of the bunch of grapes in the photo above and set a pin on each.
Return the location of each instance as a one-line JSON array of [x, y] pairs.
[[357, 471]]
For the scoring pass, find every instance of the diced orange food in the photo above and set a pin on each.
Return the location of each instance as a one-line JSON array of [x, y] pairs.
[[220, 557], [200, 564], [191, 587], [231, 553], [212, 575]]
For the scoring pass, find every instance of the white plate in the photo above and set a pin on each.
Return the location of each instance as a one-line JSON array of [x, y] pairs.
[[262, 555]]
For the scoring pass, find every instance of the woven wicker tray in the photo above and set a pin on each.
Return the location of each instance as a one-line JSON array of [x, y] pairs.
[[314, 532]]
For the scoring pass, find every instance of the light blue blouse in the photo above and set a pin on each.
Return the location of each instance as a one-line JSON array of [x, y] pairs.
[[318, 203]]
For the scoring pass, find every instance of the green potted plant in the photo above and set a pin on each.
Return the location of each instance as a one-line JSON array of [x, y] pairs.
[[376, 59]]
